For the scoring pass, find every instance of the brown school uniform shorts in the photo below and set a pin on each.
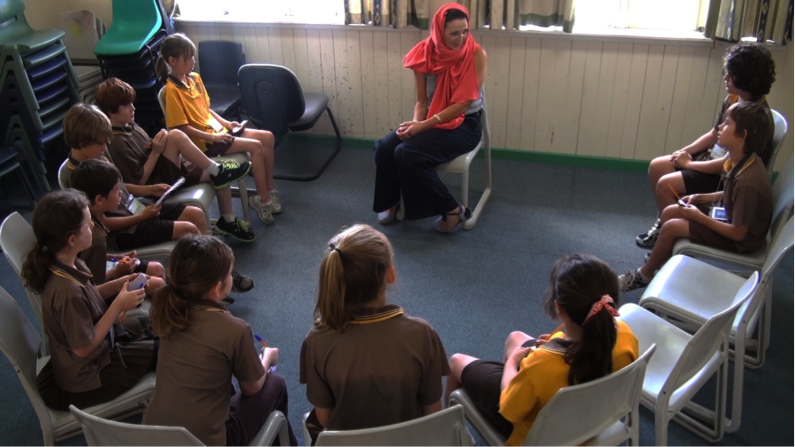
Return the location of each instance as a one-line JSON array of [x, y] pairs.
[[153, 231]]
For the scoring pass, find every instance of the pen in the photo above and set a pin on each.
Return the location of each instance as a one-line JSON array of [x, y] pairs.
[[123, 316], [264, 344], [674, 191]]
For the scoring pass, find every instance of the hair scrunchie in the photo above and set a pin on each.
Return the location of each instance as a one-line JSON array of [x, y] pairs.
[[331, 246], [605, 303]]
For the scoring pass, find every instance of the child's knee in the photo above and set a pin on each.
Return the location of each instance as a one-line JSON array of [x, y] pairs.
[[156, 269], [177, 136]]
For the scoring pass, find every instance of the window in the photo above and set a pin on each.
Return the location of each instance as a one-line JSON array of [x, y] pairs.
[[315, 12], [670, 15]]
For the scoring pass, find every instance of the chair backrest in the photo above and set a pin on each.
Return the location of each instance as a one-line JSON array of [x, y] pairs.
[[446, 427], [13, 20], [615, 396], [782, 197], [707, 340], [20, 343], [161, 99], [272, 96], [81, 35], [17, 240], [220, 60], [64, 175], [779, 132], [99, 431], [777, 249], [135, 15]]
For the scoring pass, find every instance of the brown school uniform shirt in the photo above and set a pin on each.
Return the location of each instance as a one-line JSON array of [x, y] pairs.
[[130, 149], [748, 198], [195, 369], [380, 371], [71, 306], [121, 210], [95, 256]]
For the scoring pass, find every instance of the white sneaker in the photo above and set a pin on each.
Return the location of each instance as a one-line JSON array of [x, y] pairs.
[[276, 204], [263, 210]]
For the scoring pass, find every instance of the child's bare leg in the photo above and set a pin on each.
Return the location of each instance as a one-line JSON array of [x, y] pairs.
[[224, 197], [659, 167], [453, 382], [178, 144], [258, 168], [191, 221], [267, 140], [674, 226], [663, 194], [156, 269], [514, 340]]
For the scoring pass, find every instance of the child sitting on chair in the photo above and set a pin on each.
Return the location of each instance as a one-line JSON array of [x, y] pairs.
[[743, 209], [588, 345], [188, 109], [87, 131], [94, 357], [146, 161]]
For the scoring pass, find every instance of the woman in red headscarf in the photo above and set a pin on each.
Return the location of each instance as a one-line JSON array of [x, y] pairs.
[[449, 70]]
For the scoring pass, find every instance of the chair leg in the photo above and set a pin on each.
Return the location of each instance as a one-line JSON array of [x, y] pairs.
[[465, 189], [243, 192]]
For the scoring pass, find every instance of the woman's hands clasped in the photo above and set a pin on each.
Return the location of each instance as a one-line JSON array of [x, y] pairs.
[[410, 129]]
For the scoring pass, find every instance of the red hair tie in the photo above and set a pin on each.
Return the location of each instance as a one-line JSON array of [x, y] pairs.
[[605, 303]]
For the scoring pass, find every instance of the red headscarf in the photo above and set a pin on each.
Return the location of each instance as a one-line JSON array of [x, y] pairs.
[[456, 77]]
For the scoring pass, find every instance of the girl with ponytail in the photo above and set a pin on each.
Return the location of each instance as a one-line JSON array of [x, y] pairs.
[[367, 363], [95, 356], [588, 345], [202, 346]]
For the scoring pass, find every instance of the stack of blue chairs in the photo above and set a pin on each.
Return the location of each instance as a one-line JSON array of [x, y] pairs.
[[129, 50], [38, 86]]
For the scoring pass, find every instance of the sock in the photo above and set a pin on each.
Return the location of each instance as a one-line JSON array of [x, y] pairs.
[[643, 277], [213, 169], [229, 218]]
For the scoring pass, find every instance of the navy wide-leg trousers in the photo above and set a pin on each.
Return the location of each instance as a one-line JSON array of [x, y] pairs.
[[409, 167]]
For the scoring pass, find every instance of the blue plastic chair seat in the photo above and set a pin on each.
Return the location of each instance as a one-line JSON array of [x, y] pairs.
[[39, 57], [46, 68]]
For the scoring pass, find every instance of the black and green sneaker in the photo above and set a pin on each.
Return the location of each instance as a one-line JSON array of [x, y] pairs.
[[237, 229], [228, 172]]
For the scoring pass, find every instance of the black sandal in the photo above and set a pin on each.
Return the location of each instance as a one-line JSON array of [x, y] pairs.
[[463, 214]]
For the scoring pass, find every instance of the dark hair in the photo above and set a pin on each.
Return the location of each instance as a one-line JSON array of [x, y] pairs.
[[196, 265], [751, 119], [175, 45], [95, 178], [112, 93], [454, 14], [352, 273], [57, 216], [84, 125], [576, 283], [751, 68]]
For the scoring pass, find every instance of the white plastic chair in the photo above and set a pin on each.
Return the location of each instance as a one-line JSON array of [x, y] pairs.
[[615, 421], [782, 209], [779, 132], [99, 432], [17, 240], [238, 158], [687, 292], [682, 365], [20, 343], [445, 427], [460, 165]]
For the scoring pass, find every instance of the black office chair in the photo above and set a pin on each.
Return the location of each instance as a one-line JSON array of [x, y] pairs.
[[274, 101], [219, 61]]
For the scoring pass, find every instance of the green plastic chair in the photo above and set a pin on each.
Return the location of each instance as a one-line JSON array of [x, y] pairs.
[[16, 31], [135, 22]]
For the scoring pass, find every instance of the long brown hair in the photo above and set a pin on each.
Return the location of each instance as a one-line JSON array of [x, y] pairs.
[[576, 283], [352, 273], [58, 216], [197, 264], [176, 45]]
